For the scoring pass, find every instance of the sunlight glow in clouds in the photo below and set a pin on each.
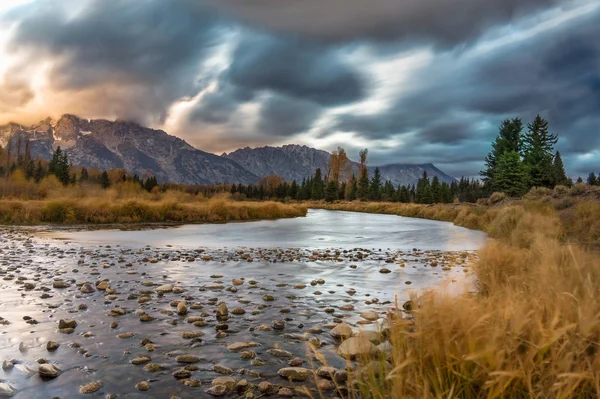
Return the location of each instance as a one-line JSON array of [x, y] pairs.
[[415, 83]]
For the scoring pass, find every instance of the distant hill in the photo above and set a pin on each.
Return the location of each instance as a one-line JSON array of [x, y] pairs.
[[107, 144], [295, 162]]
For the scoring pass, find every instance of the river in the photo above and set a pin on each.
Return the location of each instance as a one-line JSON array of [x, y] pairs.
[[299, 275]]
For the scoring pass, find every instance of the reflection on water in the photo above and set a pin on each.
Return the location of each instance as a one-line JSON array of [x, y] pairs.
[[319, 229], [325, 245]]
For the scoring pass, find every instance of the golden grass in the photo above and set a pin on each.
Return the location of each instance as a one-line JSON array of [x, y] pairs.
[[127, 203], [531, 331], [70, 211]]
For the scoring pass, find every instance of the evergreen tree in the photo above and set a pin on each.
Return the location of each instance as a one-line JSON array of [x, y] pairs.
[[579, 180], [104, 180], [404, 195], [436, 190], [446, 193], [39, 172], [59, 166], [592, 180], [318, 187], [509, 139], [423, 191], [375, 186], [85, 176], [293, 190], [331, 192], [511, 175], [560, 177], [353, 189], [363, 185], [30, 171], [538, 153], [389, 192]]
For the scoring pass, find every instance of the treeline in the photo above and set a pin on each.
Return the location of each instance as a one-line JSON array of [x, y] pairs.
[[340, 183], [59, 167], [315, 188]]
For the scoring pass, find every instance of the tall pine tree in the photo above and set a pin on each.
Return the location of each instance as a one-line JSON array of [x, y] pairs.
[[558, 169], [538, 153], [511, 175], [509, 139], [375, 186]]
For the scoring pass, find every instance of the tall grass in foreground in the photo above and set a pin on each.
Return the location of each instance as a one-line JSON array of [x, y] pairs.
[[531, 331]]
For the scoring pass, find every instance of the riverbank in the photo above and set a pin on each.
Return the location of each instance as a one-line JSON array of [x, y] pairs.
[[533, 328], [106, 210]]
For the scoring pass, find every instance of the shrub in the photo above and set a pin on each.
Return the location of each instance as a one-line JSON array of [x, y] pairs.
[[497, 198], [538, 192], [578, 189], [560, 191]]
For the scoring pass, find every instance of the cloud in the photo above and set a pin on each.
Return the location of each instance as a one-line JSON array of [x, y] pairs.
[[462, 96], [225, 73], [149, 51], [441, 22], [285, 116], [295, 68]]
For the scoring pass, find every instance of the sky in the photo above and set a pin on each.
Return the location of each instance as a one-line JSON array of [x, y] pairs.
[[414, 81]]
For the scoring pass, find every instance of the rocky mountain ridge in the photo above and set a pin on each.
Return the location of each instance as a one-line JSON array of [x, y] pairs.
[[104, 144], [295, 162]]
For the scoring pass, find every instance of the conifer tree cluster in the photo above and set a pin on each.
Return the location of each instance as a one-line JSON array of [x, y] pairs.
[[519, 161]]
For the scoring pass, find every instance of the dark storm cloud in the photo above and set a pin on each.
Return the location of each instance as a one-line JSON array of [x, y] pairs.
[[217, 107], [295, 81], [448, 132], [286, 116], [295, 68], [152, 46], [443, 22], [462, 95]]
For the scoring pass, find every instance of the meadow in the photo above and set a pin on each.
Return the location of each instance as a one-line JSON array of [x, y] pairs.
[[49, 202]]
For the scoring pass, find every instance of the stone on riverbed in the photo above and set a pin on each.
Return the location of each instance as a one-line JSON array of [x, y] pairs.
[[60, 284], [188, 359], [142, 386], [6, 391], [295, 373], [51, 346], [191, 334], [222, 311], [182, 308], [369, 315], [238, 346], [279, 353], [48, 371], [140, 360], [90, 388], [356, 347], [66, 323], [217, 368], [341, 331], [87, 289], [164, 289]]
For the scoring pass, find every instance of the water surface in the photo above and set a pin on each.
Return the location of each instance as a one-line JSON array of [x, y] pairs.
[[319, 229]]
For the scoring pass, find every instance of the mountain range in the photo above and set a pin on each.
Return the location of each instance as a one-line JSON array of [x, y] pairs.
[[107, 144]]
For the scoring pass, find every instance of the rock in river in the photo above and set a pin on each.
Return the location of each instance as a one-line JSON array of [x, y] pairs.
[[356, 347], [295, 373], [49, 371], [6, 391], [90, 388], [341, 331]]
